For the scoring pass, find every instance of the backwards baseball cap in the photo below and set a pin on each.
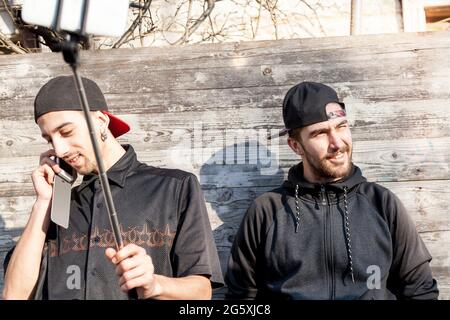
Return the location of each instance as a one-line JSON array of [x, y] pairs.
[[60, 94], [305, 104]]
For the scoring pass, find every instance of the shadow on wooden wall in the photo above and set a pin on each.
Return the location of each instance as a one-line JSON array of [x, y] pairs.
[[229, 202]]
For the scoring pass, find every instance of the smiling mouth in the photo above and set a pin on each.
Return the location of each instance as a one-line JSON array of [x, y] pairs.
[[339, 156], [74, 159]]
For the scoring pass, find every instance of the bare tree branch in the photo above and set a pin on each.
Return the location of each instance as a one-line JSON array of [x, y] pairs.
[[216, 33], [271, 8], [243, 21], [199, 21], [133, 26], [255, 31], [211, 24], [8, 44], [315, 15], [141, 14], [8, 9], [188, 21]]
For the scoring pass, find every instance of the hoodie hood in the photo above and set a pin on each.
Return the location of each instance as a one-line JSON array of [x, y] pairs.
[[296, 177]]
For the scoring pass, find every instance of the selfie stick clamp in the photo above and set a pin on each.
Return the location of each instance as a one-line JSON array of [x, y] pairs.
[[70, 52]]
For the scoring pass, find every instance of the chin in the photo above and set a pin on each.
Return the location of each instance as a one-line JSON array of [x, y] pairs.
[[334, 173]]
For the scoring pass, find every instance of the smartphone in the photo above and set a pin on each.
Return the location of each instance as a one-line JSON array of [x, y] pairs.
[[103, 17], [65, 169], [62, 190]]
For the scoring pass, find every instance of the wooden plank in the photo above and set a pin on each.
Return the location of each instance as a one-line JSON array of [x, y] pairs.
[[184, 103], [150, 70], [432, 221], [7, 240], [398, 160], [426, 201], [438, 241], [369, 121], [406, 69], [442, 276], [375, 44], [401, 73], [389, 160]]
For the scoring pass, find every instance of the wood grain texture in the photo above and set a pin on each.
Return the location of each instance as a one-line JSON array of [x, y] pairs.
[[208, 109]]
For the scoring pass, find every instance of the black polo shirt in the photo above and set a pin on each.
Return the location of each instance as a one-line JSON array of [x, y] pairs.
[[161, 210]]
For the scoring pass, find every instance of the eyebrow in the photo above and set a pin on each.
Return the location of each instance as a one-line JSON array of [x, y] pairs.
[[312, 133], [46, 136], [345, 121]]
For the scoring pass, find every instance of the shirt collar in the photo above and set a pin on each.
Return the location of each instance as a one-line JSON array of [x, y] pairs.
[[118, 172]]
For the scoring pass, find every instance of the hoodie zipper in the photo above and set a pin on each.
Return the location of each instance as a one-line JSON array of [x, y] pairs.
[[322, 191], [328, 243]]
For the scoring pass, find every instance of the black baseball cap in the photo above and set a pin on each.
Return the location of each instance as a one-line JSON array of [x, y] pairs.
[[305, 104], [60, 94]]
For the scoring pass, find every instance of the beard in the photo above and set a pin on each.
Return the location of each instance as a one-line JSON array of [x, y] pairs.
[[88, 167], [325, 170]]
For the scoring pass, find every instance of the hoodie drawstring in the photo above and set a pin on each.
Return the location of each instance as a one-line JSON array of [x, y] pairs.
[[297, 209], [347, 235]]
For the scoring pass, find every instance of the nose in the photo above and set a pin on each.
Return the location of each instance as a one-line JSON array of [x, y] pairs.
[[335, 141], [61, 147]]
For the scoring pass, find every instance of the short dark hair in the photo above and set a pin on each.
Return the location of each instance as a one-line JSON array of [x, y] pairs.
[[295, 134]]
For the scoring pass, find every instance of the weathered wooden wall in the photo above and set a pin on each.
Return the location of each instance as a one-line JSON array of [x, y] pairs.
[[188, 107]]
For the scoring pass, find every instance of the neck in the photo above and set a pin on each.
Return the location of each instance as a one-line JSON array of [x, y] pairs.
[[112, 151], [319, 180]]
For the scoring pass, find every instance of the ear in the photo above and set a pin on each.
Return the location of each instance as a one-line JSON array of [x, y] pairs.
[[295, 146], [103, 119]]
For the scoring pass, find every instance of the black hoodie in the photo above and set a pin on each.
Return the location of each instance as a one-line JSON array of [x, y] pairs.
[[350, 239]]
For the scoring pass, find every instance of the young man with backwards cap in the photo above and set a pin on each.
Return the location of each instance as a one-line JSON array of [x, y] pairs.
[[327, 233], [169, 250]]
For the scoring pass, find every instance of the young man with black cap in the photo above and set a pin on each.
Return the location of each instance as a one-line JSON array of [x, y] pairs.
[[169, 250], [327, 233]]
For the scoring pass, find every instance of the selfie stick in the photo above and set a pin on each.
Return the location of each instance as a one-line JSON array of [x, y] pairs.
[[70, 52]]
